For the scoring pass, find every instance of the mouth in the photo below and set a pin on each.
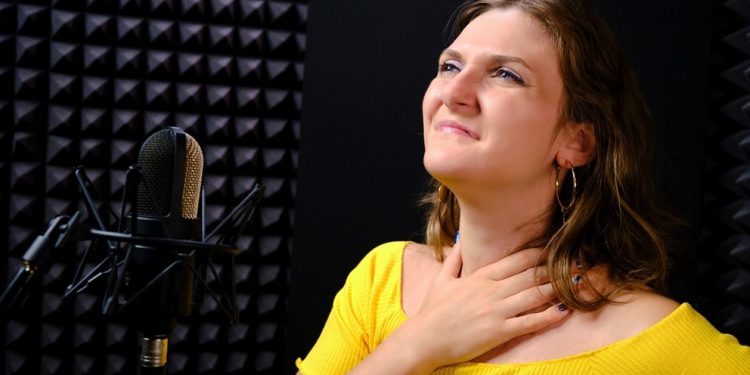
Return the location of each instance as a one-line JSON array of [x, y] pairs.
[[452, 127]]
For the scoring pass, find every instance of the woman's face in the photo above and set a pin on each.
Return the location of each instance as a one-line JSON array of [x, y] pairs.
[[491, 114]]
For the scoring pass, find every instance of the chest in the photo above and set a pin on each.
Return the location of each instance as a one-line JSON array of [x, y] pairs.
[[560, 340], [565, 339]]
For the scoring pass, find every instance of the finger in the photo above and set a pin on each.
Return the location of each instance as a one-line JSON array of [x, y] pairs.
[[452, 263], [528, 299], [530, 278], [513, 264], [534, 275], [529, 323]]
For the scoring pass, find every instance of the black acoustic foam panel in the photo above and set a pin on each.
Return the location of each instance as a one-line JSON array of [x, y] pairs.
[[724, 272], [84, 83]]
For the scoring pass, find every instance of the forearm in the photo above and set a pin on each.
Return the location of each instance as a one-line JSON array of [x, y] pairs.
[[397, 355]]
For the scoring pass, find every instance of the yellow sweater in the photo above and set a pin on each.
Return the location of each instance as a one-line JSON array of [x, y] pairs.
[[368, 308]]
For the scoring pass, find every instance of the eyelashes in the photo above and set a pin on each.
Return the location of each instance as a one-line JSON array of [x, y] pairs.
[[449, 66], [503, 73]]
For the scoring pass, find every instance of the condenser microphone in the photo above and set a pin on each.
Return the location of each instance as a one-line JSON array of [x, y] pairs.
[[159, 281]]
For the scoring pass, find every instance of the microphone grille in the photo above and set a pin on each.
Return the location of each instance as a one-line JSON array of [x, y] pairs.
[[158, 163], [193, 175], [155, 160]]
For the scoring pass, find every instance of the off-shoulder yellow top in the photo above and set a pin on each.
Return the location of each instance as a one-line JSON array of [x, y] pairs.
[[368, 308]]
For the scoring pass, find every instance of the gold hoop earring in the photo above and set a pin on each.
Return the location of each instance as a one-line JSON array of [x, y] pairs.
[[442, 193], [563, 207]]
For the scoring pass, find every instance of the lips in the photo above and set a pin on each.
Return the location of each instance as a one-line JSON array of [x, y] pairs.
[[452, 127]]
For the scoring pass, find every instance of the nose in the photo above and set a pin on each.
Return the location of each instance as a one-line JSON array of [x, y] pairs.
[[460, 93]]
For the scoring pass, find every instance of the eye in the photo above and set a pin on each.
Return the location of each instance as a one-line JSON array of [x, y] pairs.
[[449, 66], [507, 74]]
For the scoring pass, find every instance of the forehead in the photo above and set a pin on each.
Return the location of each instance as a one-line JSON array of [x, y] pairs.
[[509, 32]]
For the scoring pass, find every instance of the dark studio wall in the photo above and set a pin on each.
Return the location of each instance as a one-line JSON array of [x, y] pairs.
[[361, 169], [84, 83], [361, 176]]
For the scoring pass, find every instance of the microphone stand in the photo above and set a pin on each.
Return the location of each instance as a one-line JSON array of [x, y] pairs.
[[153, 337], [37, 257], [61, 229]]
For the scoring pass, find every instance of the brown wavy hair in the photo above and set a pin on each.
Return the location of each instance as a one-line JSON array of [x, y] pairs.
[[619, 220]]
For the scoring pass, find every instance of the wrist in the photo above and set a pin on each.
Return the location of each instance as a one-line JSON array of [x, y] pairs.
[[401, 353], [413, 348]]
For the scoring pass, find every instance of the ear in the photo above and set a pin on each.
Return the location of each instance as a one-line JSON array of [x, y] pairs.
[[578, 145]]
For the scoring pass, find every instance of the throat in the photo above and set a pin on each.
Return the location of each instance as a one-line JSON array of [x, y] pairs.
[[487, 237]]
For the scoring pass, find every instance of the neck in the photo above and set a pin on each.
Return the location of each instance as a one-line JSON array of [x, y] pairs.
[[492, 229]]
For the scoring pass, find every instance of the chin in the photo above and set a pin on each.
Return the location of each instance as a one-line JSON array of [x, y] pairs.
[[442, 166]]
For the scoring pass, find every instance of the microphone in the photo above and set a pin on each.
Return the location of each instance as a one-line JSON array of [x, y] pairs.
[[164, 234], [166, 206]]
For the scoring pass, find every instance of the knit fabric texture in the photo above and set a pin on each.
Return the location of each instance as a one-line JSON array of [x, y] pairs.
[[368, 308]]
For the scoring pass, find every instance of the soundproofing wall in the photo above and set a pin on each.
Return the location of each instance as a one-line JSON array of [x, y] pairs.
[[725, 257], [84, 83]]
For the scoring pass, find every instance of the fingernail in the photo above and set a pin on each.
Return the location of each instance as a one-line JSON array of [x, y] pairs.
[[577, 279], [457, 237], [562, 306]]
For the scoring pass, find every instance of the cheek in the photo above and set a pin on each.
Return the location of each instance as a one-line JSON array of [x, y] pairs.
[[525, 114]]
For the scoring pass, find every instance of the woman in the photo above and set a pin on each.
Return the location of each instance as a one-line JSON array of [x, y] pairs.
[[540, 144]]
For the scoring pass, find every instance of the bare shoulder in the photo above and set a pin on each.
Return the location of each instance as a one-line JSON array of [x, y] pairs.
[[633, 312], [419, 260], [417, 254], [649, 305], [419, 266], [641, 309]]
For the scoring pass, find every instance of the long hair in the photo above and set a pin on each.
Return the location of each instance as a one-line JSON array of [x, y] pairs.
[[618, 219]]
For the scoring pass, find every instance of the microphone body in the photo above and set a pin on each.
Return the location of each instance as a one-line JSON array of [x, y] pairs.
[[159, 280]]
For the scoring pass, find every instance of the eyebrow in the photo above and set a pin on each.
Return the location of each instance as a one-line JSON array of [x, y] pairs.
[[494, 59]]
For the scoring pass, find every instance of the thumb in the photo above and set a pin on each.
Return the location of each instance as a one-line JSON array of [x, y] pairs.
[[452, 263]]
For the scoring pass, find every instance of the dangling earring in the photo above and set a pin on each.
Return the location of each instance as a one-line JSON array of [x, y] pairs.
[[442, 193], [565, 208]]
